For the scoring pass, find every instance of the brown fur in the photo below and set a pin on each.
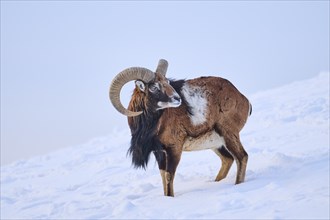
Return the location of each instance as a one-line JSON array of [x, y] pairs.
[[227, 113]]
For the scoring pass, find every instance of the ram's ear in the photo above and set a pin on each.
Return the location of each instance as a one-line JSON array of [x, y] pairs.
[[140, 85]]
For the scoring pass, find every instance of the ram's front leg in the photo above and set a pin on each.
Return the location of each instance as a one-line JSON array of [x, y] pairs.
[[168, 161], [173, 156], [161, 160]]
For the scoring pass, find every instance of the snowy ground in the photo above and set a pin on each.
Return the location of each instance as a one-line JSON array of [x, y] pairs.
[[287, 138]]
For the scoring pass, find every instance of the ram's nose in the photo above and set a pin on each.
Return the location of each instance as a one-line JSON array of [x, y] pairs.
[[176, 100]]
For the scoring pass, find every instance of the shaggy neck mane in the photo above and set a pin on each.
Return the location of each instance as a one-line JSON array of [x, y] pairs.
[[144, 131]]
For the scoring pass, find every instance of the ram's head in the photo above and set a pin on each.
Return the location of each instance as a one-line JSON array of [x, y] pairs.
[[154, 85]]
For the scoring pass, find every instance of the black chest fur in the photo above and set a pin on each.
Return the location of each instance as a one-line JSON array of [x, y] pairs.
[[144, 139], [144, 133]]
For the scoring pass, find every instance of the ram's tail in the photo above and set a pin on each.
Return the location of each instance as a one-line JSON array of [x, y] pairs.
[[250, 108]]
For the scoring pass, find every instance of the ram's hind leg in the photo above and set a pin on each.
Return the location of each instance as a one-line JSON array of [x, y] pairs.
[[235, 147], [226, 162]]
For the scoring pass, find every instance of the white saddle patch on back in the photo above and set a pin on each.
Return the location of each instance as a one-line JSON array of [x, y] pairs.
[[197, 101], [210, 140]]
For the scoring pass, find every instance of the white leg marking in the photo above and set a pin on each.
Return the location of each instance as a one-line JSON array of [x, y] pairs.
[[197, 101]]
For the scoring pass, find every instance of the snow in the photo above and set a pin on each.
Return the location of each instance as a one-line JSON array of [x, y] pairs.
[[287, 138]]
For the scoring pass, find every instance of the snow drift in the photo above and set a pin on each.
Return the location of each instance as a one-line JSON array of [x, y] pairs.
[[287, 138]]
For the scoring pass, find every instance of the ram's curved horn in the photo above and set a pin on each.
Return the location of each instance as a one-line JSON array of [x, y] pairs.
[[162, 67], [133, 73]]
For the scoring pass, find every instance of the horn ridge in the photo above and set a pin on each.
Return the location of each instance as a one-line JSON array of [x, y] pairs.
[[125, 76]]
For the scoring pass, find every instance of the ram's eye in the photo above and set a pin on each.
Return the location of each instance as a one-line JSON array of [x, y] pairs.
[[153, 88]]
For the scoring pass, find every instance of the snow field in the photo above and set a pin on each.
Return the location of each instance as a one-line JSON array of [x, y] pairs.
[[287, 139]]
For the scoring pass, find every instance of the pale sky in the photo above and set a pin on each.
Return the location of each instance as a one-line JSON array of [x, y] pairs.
[[58, 58]]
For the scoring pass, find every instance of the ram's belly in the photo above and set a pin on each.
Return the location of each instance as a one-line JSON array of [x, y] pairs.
[[210, 140]]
